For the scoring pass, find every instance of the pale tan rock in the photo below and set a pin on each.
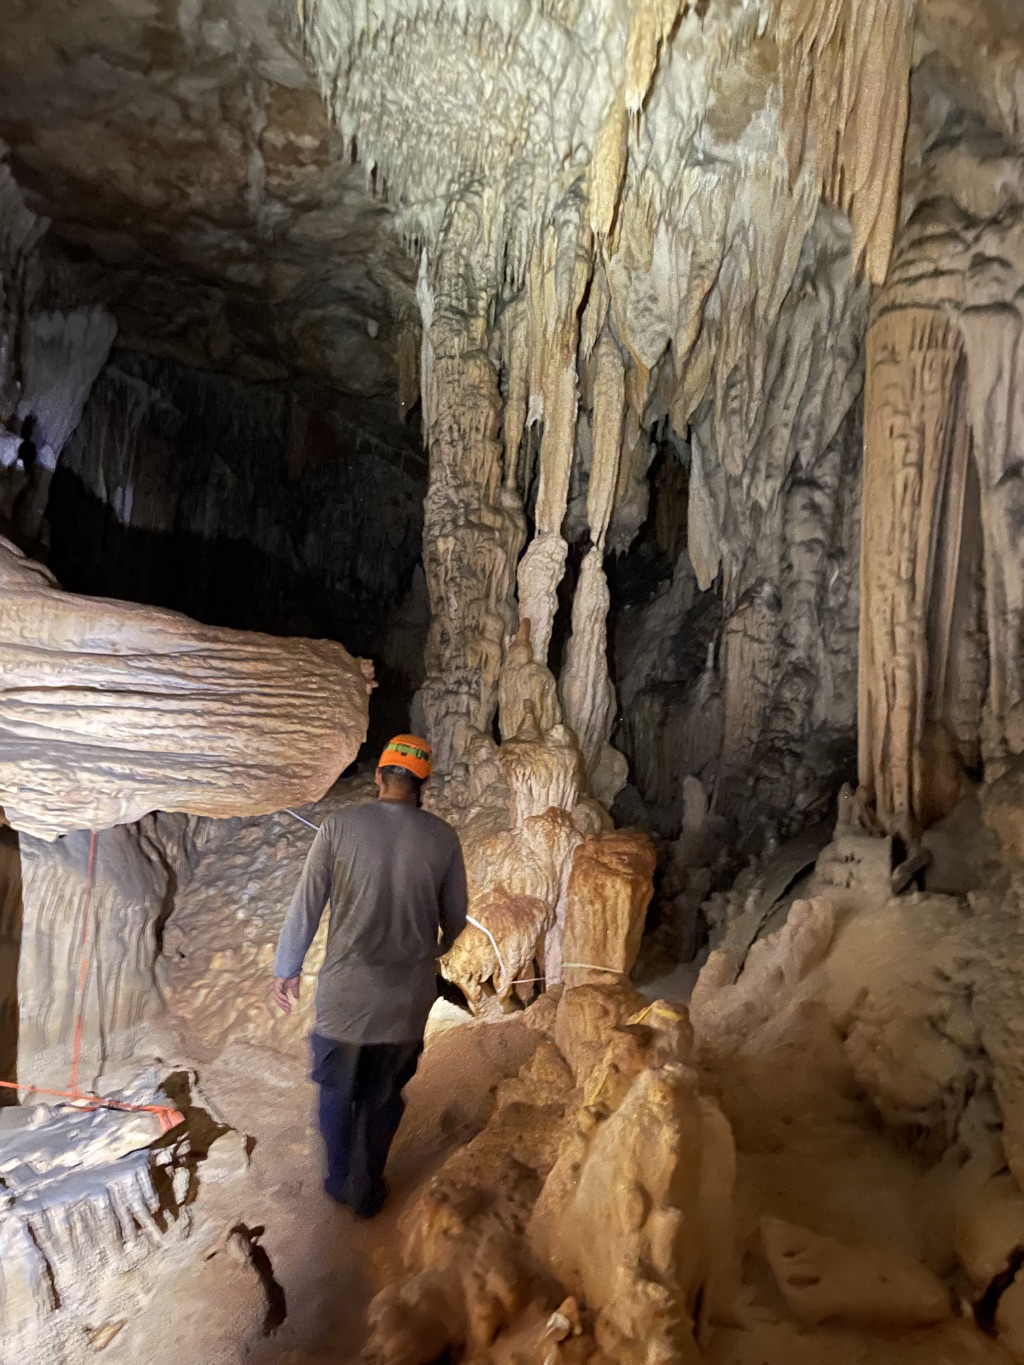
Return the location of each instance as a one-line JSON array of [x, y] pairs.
[[543, 769], [823, 1280], [502, 953], [533, 860], [524, 680], [610, 888], [728, 1014], [636, 1218], [468, 1272], [110, 710], [585, 1019]]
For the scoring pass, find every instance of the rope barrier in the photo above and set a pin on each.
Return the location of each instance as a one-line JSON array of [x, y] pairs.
[[169, 1116], [494, 943], [301, 818]]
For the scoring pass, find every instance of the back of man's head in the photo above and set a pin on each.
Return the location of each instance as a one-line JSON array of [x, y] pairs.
[[399, 782]]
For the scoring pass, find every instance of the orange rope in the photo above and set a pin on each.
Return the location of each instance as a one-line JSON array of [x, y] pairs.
[[169, 1116]]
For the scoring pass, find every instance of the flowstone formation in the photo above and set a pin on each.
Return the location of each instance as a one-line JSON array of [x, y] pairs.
[[593, 284], [940, 680], [109, 711]]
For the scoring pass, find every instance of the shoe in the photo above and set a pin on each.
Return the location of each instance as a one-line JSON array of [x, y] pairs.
[[365, 1209]]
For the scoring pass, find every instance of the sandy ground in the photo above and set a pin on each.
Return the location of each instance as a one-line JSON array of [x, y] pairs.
[[328, 1264]]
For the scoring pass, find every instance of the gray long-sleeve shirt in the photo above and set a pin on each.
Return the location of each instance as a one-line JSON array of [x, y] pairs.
[[397, 885]]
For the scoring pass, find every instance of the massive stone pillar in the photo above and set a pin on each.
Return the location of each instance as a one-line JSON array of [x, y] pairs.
[[915, 470], [473, 521]]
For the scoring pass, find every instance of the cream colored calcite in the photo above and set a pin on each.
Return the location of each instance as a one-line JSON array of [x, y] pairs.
[[100, 1210], [119, 920], [942, 401], [110, 710], [514, 928], [610, 888], [876, 1287], [524, 684], [617, 1193]]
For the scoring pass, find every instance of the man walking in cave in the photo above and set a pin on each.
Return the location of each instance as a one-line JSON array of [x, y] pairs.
[[396, 882]]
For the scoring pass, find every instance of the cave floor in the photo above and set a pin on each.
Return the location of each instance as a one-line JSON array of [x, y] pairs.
[[329, 1265]]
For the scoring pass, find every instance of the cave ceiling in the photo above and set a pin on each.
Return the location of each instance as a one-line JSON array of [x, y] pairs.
[[192, 177], [247, 183]]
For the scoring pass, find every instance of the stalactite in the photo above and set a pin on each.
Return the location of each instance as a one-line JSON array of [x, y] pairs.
[[565, 273], [408, 357], [515, 329], [587, 691], [20, 231], [62, 354], [844, 65]]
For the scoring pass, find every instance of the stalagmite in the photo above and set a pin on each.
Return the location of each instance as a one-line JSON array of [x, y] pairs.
[[523, 683], [109, 711], [610, 888]]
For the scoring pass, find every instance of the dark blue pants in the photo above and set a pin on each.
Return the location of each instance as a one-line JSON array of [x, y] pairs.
[[360, 1109]]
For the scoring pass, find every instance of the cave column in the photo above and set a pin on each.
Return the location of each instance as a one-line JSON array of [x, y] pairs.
[[916, 459], [588, 694], [473, 525]]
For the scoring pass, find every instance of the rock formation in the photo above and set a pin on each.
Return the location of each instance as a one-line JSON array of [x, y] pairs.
[[109, 711], [708, 316]]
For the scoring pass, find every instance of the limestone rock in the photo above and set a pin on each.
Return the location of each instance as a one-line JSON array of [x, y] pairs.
[[879, 1287], [117, 924], [109, 711], [585, 1018], [502, 953], [220, 938], [610, 888], [635, 1218]]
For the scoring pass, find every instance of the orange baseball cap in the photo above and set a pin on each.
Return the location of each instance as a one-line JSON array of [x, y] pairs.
[[409, 752]]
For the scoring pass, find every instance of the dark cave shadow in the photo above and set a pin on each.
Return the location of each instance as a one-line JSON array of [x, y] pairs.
[[11, 928], [222, 582]]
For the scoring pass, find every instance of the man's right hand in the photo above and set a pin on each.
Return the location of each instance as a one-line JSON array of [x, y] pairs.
[[286, 989]]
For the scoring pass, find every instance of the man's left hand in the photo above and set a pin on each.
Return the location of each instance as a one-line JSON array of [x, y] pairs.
[[286, 989]]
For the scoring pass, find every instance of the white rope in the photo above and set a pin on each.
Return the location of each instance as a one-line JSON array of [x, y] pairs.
[[494, 944], [289, 811]]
